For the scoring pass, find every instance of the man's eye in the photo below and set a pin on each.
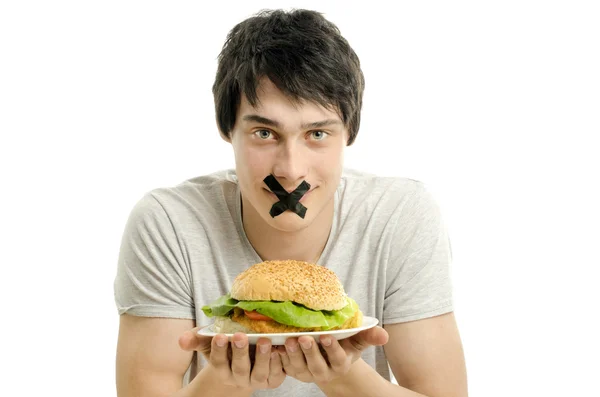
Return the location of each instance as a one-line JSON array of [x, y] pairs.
[[263, 134], [319, 135]]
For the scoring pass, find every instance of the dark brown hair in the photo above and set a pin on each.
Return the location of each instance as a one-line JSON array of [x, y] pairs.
[[302, 53]]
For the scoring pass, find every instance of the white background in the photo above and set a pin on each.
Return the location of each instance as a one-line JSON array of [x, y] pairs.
[[495, 105]]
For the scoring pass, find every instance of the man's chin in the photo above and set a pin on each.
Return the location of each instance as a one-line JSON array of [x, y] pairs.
[[289, 221]]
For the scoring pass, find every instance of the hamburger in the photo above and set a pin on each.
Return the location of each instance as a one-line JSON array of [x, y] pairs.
[[282, 297]]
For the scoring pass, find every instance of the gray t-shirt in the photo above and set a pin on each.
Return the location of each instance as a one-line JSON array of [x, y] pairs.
[[183, 246]]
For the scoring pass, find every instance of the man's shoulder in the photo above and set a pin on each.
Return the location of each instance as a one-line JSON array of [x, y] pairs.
[[366, 185], [222, 177], [198, 197], [203, 189], [384, 200]]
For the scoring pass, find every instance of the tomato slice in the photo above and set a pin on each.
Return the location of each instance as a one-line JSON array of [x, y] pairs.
[[253, 315]]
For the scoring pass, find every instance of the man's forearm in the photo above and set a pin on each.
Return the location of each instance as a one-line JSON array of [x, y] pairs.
[[207, 385], [363, 381]]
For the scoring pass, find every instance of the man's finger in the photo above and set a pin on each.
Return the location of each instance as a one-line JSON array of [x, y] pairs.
[[335, 353], [219, 353], [275, 368], [240, 361], [294, 352], [285, 361], [314, 359], [260, 370]]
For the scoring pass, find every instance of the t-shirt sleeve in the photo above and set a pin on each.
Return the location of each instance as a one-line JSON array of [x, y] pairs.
[[418, 272], [153, 278]]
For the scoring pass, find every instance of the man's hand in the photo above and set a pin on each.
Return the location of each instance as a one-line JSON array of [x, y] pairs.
[[231, 364], [304, 360]]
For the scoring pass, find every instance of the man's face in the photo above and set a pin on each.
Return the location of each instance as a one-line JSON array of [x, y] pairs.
[[294, 142]]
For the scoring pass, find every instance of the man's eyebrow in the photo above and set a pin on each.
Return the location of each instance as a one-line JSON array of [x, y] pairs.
[[273, 123], [262, 120], [319, 124]]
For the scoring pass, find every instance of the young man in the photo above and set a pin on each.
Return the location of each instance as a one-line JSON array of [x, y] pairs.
[[288, 96]]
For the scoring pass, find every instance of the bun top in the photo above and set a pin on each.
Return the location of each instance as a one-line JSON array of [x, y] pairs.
[[313, 286]]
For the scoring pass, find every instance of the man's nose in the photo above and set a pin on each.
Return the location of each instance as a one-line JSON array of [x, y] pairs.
[[291, 166]]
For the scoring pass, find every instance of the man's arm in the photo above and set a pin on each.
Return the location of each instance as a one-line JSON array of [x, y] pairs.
[[150, 362], [426, 357]]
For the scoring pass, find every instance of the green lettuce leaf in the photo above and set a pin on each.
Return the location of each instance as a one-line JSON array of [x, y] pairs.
[[287, 313], [221, 307]]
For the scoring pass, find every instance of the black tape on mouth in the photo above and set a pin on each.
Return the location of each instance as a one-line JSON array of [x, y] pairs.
[[287, 201]]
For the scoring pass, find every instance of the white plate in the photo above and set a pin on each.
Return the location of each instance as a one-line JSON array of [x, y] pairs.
[[279, 339]]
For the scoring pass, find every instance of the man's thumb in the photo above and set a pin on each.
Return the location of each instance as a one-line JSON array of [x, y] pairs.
[[190, 340], [375, 336]]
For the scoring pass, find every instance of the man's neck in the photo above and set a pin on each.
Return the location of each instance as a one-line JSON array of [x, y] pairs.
[[272, 244]]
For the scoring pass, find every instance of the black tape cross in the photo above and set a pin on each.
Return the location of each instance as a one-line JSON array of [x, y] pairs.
[[287, 201]]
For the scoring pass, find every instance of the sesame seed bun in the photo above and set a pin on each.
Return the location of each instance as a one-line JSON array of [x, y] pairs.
[[313, 286]]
